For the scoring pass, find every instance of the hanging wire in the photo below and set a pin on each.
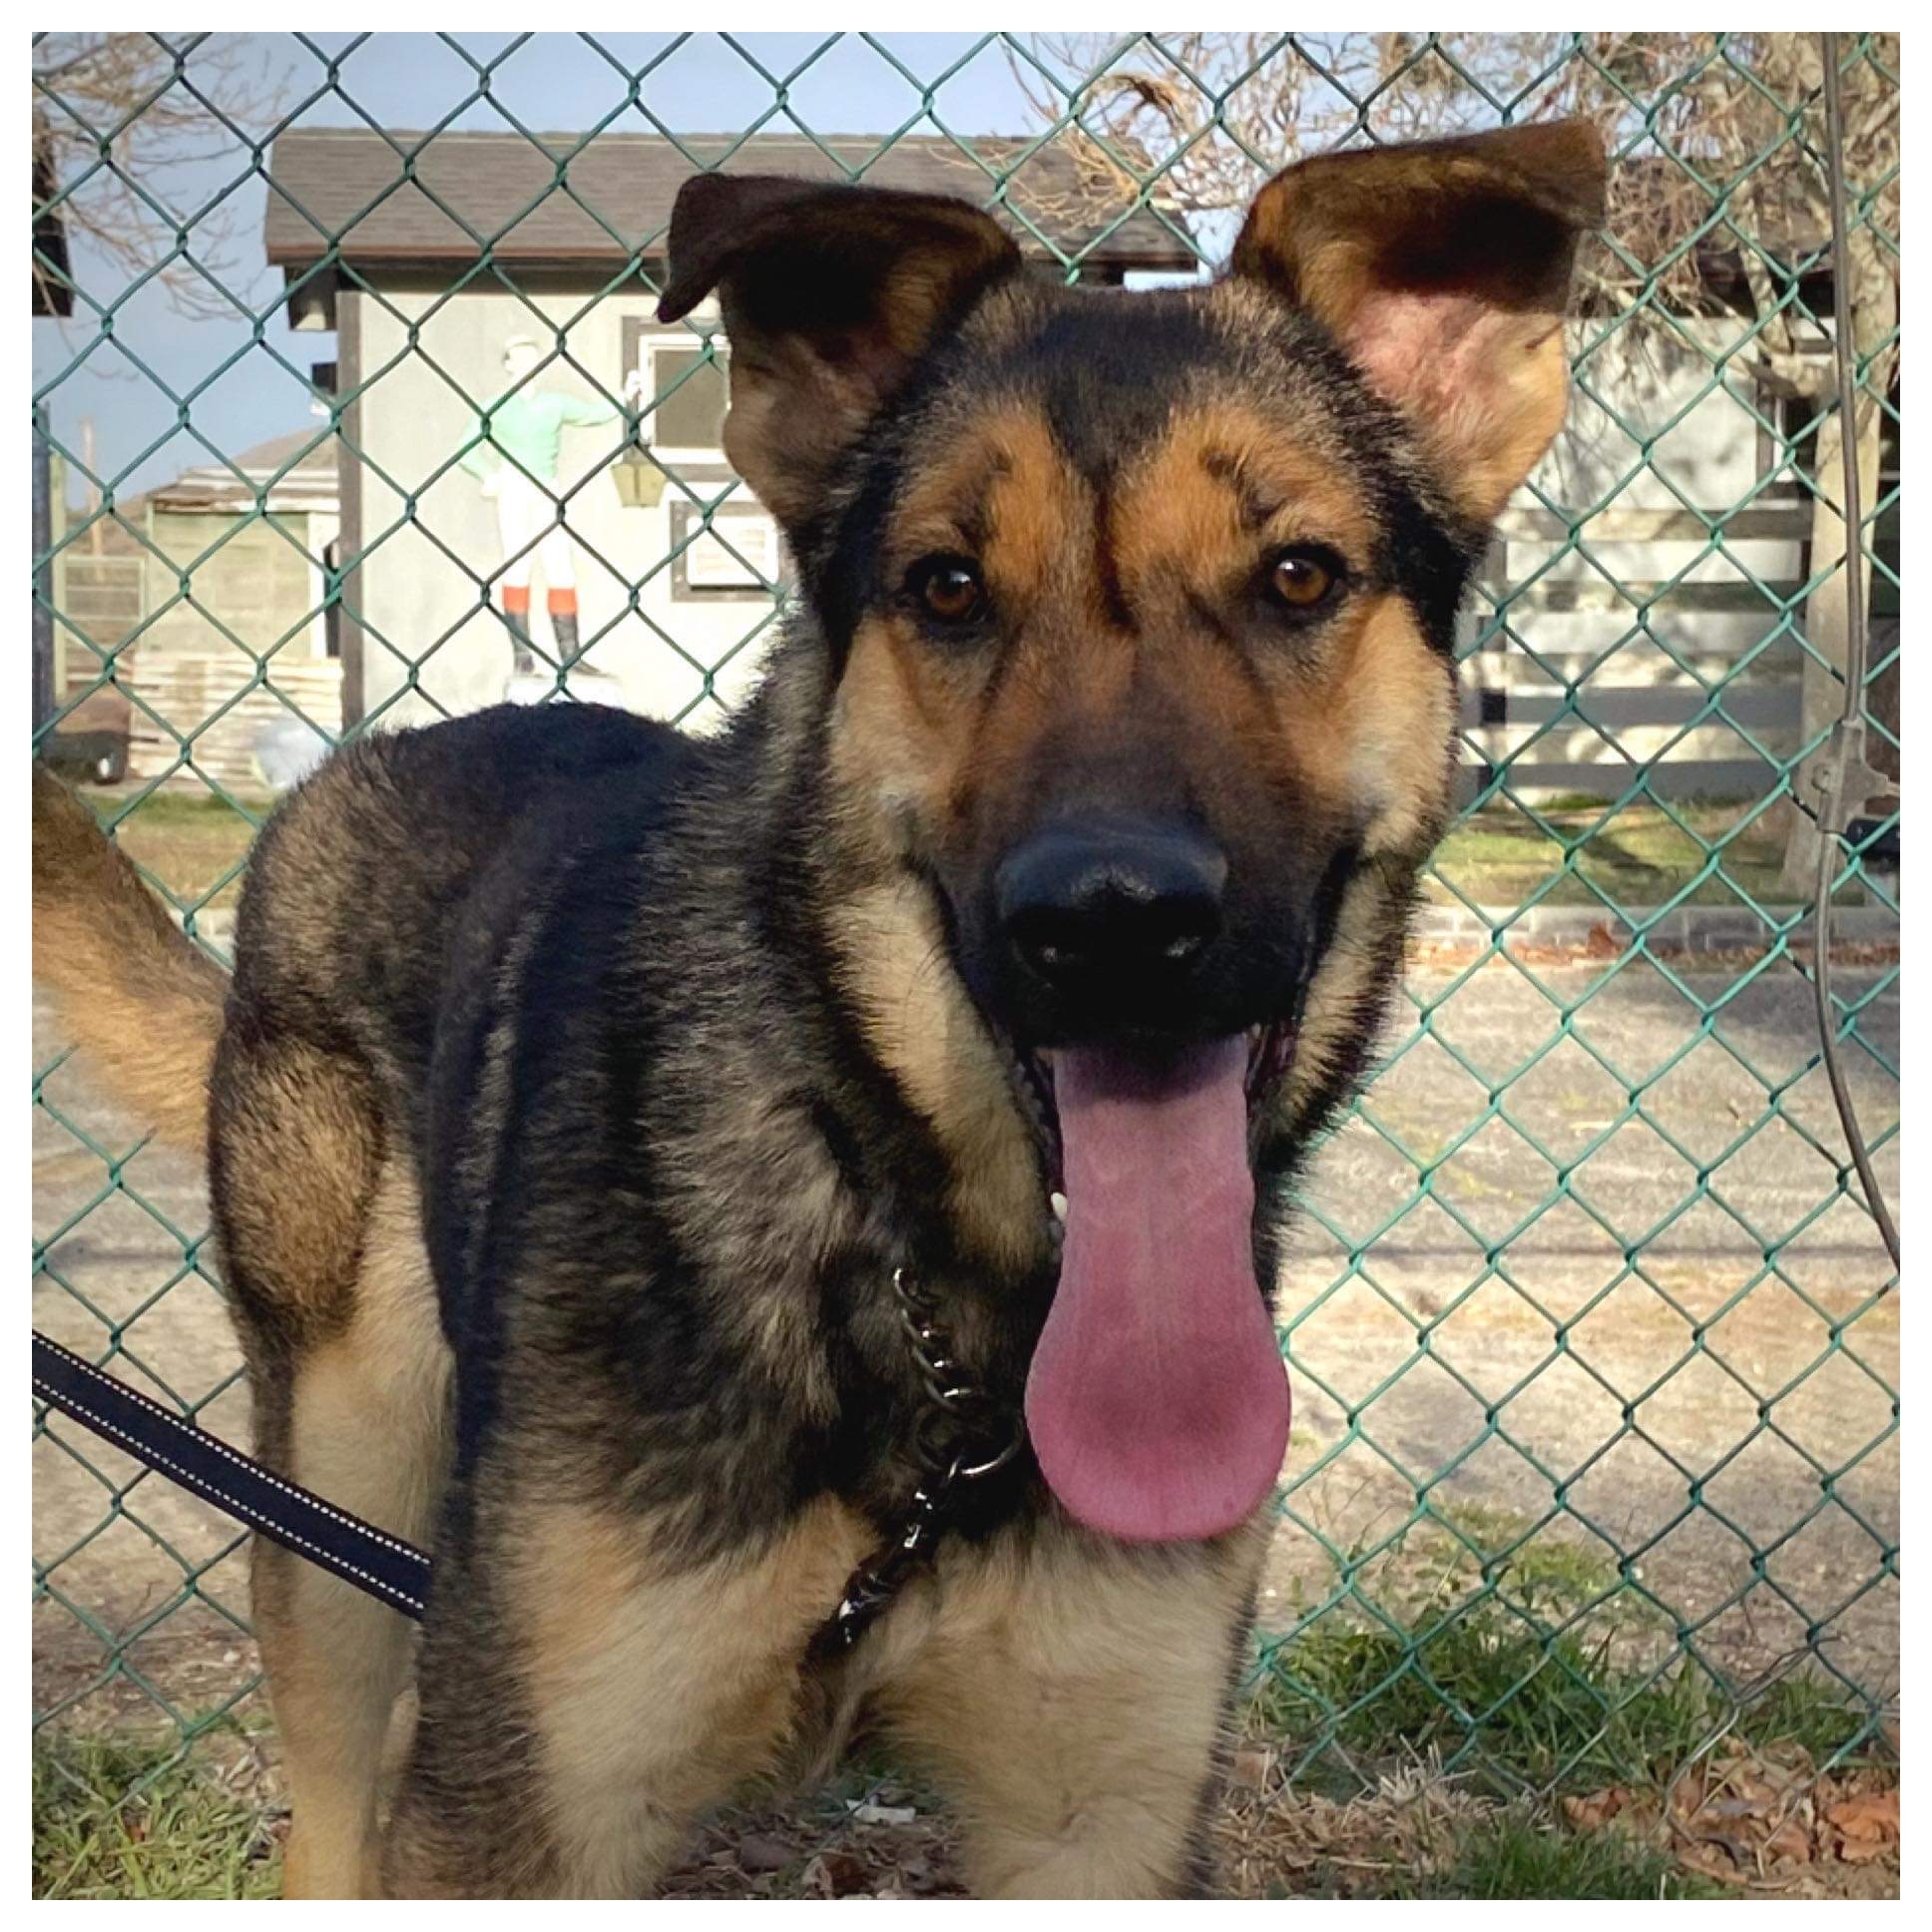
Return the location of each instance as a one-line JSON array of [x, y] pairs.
[[1846, 756]]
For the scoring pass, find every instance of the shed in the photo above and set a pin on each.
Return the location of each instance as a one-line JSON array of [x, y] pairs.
[[427, 255], [241, 631]]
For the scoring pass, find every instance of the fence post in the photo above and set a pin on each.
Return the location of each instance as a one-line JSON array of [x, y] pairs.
[[43, 587]]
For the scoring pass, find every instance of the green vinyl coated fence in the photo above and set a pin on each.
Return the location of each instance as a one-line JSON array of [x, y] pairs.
[[1594, 1341]]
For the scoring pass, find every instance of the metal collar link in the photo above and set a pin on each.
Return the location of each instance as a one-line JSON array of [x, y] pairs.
[[965, 1434], [962, 1435]]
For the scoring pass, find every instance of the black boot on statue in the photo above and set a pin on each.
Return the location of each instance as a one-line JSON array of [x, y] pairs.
[[523, 655]]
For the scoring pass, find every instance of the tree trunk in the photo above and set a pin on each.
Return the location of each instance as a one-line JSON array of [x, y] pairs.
[[1875, 314]]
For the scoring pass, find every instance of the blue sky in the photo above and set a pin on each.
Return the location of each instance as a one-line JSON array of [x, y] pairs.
[[552, 82]]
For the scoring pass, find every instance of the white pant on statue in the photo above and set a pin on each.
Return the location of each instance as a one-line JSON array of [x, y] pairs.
[[527, 525]]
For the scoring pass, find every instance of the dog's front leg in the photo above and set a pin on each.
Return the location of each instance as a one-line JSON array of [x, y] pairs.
[[1072, 1699], [586, 1695]]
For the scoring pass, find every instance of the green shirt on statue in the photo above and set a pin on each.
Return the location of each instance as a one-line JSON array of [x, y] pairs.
[[528, 428]]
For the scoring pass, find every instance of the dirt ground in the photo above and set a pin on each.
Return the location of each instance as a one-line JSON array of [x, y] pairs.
[[1520, 1320]]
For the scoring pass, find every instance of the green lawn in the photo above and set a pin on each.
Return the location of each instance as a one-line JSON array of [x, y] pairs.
[[122, 1818], [1643, 856], [1520, 1855], [189, 842], [1525, 1661]]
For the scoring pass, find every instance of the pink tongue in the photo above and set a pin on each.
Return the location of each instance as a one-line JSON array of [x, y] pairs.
[[1158, 1401]]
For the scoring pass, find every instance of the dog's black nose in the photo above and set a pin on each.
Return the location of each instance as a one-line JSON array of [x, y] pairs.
[[1115, 911]]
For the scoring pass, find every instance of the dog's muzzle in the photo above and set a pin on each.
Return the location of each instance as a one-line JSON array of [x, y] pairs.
[[1108, 925]]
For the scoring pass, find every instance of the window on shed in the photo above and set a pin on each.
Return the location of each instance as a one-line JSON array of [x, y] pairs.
[[685, 389], [690, 391]]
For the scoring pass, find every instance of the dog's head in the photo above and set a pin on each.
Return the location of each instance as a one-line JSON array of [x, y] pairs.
[[1139, 610]]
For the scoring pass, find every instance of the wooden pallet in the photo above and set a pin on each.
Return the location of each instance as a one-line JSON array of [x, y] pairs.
[[189, 689]]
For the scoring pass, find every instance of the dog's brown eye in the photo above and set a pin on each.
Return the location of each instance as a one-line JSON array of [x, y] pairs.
[[1300, 578], [949, 588]]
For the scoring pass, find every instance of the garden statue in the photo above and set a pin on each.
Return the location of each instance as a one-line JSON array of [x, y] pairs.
[[514, 454]]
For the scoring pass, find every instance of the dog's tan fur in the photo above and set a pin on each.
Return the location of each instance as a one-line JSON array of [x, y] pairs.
[[123, 977], [366, 1428], [1072, 1773]]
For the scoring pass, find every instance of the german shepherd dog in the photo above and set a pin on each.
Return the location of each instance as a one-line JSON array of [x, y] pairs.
[[581, 1086]]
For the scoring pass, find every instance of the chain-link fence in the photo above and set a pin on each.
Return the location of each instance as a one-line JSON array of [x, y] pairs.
[[1594, 1341]]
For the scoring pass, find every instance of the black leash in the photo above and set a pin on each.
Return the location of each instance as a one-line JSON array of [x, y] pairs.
[[387, 1568], [961, 1438]]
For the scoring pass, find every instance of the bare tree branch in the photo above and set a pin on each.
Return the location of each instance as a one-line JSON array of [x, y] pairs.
[[1719, 138], [122, 120]]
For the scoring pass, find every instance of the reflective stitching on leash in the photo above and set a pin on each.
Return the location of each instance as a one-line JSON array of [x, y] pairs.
[[234, 1456], [152, 1458]]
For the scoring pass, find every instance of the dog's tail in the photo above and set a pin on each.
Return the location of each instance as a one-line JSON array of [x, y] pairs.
[[137, 997]]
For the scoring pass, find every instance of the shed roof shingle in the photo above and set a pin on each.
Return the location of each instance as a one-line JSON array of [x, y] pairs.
[[397, 198]]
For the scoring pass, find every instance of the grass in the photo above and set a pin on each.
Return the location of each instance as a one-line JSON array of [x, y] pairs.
[[1476, 1739], [114, 1818], [1520, 1656], [1421, 1836], [1550, 1675], [122, 1818], [189, 842], [1644, 857], [1490, 1694], [1517, 1855]]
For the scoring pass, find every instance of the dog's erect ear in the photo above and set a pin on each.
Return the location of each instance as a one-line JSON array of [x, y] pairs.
[[1443, 270], [829, 295]]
